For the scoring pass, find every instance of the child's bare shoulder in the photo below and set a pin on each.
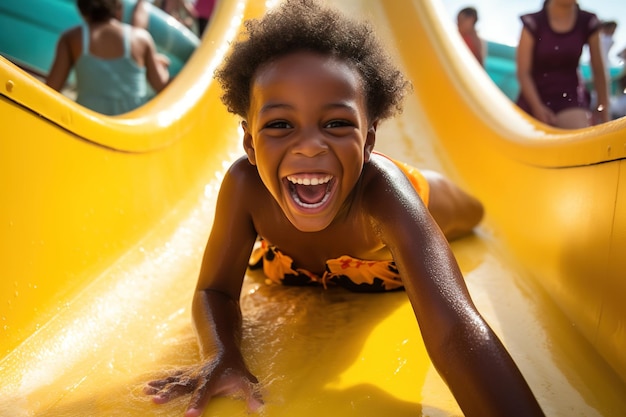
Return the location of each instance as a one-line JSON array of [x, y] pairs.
[[241, 188], [73, 34], [243, 175], [381, 171], [71, 41], [385, 187], [241, 168], [142, 35]]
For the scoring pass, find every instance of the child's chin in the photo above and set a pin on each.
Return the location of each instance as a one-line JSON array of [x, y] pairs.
[[308, 219], [310, 224]]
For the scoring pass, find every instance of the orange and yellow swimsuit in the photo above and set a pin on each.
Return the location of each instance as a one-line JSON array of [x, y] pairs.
[[353, 274]]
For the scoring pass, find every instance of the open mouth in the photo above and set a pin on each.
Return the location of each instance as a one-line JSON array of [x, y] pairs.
[[310, 191]]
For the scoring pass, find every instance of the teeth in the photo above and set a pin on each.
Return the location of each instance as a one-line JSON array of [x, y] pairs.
[[309, 181]]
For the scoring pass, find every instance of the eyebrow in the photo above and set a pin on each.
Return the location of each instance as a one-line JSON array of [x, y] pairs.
[[271, 106], [337, 105]]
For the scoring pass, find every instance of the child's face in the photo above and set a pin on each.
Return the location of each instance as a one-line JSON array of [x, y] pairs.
[[308, 134]]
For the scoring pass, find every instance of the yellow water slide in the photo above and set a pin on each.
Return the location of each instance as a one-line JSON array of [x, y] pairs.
[[103, 221]]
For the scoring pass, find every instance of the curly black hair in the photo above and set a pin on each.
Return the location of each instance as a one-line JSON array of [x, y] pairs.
[[98, 10], [307, 25]]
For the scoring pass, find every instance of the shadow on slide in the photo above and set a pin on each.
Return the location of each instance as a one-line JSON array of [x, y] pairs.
[[104, 220]]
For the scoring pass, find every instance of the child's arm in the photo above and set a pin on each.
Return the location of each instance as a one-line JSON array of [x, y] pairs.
[[189, 8], [156, 64], [217, 319], [216, 312], [140, 17], [466, 352], [62, 64]]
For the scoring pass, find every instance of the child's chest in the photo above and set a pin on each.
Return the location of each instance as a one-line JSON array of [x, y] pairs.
[[311, 250]]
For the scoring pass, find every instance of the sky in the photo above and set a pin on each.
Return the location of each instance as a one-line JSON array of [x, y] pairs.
[[498, 20]]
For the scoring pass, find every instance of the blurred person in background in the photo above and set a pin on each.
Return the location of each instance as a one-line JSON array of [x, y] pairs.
[[548, 55], [466, 23], [112, 60]]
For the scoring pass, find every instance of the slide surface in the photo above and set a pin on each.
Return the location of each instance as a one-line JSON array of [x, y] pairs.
[[104, 219]]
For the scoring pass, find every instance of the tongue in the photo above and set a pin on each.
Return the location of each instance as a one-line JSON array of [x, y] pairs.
[[311, 194]]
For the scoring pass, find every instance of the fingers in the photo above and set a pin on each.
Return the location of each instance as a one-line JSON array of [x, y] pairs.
[[245, 387], [161, 383], [248, 389], [164, 390], [199, 400], [193, 412], [163, 60], [205, 385], [253, 396]]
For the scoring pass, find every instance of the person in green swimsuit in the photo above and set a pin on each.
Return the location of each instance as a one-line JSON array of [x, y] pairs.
[[312, 88], [112, 60]]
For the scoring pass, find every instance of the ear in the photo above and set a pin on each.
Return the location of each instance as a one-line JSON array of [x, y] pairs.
[[370, 141], [248, 144]]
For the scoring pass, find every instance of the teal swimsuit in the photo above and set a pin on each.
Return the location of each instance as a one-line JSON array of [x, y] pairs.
[[110, 86]]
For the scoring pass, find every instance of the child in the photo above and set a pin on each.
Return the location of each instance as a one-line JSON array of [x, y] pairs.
[[466, 22], [112, 60], [312, 87]]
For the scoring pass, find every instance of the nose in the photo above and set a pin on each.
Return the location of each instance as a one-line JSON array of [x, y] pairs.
[[310, 143]]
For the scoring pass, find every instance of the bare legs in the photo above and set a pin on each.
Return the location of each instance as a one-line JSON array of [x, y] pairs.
[[574, 118], [455, 211]]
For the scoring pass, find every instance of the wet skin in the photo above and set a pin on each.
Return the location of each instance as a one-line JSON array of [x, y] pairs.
[[308, 124]]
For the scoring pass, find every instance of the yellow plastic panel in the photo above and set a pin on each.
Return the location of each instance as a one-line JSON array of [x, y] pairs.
[[83, 188], [550, 194], [611, 330], [104, 219]]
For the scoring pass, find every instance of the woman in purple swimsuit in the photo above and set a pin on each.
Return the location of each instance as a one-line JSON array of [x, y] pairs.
[[548, 55]]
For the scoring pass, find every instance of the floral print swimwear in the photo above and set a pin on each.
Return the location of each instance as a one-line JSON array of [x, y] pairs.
[[353, 274]]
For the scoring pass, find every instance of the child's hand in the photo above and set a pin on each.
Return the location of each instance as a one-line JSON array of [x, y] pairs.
[[163, 60], [545, 115], [208, 380]]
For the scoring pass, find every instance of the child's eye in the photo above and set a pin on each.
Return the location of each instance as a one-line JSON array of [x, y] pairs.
[[338, 123], [278, 124]]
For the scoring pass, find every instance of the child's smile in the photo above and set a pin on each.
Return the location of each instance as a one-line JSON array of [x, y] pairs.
[[311, 205], [310, 191], [308, 134]]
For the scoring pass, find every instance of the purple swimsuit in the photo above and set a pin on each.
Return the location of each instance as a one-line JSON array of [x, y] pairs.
[[555, 60]]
